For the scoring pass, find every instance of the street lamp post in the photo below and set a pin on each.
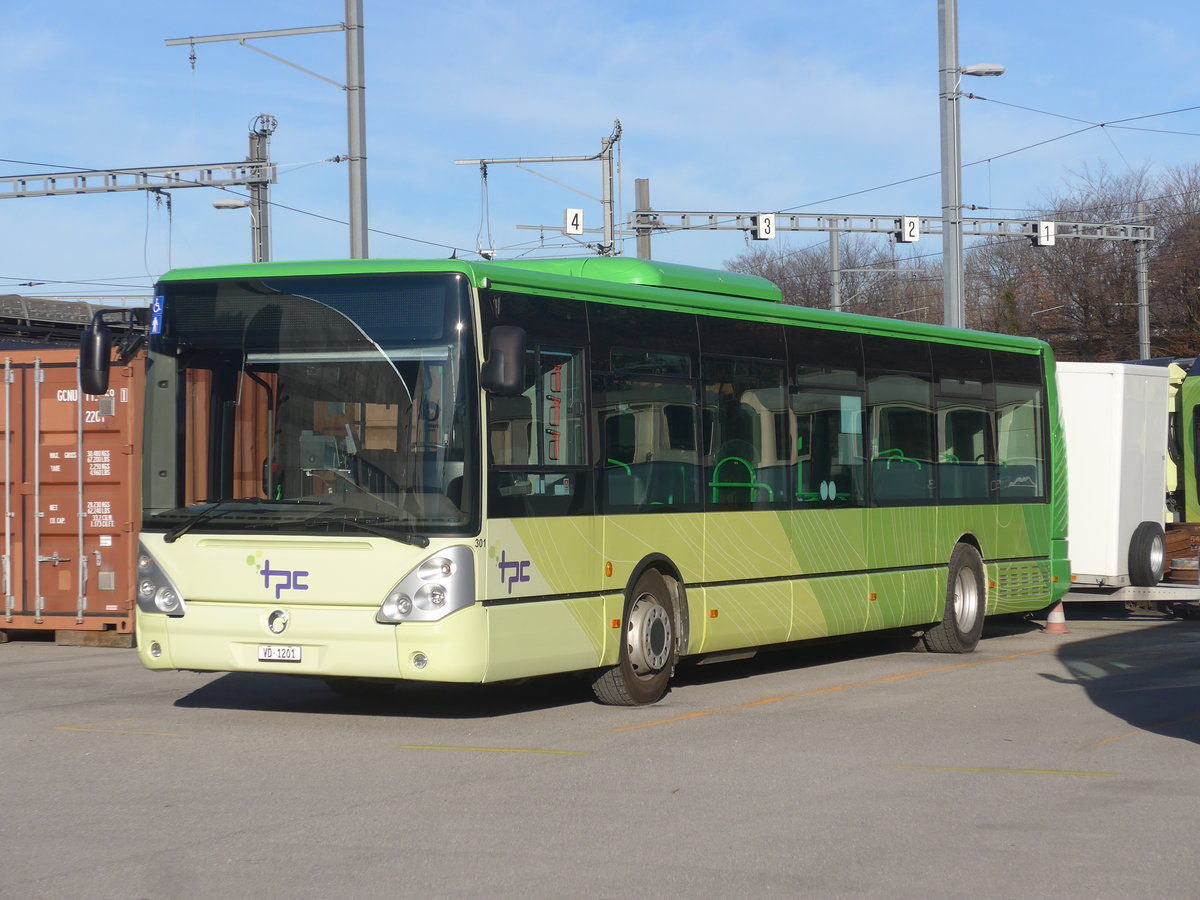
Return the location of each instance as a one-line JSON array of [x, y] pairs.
[[950, 74]]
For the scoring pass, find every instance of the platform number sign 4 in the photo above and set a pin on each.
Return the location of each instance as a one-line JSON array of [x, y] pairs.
[[573, 221]]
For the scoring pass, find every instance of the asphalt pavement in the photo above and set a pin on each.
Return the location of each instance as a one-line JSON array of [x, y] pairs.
[[1039, 766]]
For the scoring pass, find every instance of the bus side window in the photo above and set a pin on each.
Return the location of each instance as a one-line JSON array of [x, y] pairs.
[[829, 461], [747, 404], [1020, 430], [901, 404], [647, 459], [536, 440]]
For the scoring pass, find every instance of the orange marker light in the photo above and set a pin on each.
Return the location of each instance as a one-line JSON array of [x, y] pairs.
[[608, 569], [712, 613], [616, 623], [872, 596]]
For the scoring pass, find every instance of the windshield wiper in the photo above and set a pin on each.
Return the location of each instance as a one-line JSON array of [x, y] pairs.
[[371, 525], [209, 511]]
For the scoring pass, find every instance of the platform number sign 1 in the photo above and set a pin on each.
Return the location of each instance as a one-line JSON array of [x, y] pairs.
[[763, 227], [1045, 234], [573, 221]]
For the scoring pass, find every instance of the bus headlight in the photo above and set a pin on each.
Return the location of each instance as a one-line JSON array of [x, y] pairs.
[[395, 607], [168, 601], [156, 593], [437, 587]]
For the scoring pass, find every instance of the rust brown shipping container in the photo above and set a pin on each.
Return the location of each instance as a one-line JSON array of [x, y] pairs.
[[72, 466]]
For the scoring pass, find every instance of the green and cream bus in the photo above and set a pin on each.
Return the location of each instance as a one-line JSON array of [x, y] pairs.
[[375, 471]]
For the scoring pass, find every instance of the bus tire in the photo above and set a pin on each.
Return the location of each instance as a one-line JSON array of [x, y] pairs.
[[1147, 555], [966, 602], [648, 647]]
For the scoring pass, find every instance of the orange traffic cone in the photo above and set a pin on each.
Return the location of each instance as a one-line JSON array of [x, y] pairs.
[[1056, 621]]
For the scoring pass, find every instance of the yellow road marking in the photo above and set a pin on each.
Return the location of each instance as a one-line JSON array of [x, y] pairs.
[[1011, 771], [829, 690], [1136, 731], [495, 749], [95, 728]]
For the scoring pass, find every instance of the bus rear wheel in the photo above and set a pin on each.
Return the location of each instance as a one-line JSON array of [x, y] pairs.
[[648, 647], [966, 599]]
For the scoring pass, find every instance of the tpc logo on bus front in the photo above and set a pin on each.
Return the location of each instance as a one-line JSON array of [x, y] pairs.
[[282, 579]]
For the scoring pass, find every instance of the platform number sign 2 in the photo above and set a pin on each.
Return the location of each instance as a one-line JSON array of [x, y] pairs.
[[573, 221]]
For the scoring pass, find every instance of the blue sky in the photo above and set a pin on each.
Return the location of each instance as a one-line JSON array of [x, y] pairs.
[[724, 106]]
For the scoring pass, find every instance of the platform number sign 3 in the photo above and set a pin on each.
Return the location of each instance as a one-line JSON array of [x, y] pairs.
[[763, 228]]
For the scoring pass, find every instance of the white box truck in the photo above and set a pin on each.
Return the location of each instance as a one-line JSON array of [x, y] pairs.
[[1115, 422]]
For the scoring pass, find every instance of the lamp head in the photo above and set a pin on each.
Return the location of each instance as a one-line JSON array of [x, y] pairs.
[[983, 69]]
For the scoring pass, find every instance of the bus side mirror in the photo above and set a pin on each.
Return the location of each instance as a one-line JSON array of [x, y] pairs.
[[504, 371], [95, 355]]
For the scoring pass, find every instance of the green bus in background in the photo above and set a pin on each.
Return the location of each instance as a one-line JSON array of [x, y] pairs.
[[375, 471]]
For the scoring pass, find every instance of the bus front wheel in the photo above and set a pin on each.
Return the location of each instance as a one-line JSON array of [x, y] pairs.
[[647, 657], [966, 598]]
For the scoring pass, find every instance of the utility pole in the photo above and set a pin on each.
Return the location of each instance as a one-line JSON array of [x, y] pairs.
[[1143, 292], [355, 103], [608, 247], [641, 198], [948, 75], [260, 204], [356, 126]]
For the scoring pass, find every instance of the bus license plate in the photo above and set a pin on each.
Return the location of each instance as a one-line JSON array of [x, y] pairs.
[[278, 653]]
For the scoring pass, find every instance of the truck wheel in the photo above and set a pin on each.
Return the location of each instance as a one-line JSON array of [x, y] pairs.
[[647, 657], [1147, 555], [966, 601]]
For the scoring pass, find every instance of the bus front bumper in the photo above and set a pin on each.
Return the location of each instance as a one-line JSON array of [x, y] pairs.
[[323, 642]]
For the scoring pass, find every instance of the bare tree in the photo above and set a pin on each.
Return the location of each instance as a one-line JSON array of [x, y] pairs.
[[874, 279], [1079, 295]]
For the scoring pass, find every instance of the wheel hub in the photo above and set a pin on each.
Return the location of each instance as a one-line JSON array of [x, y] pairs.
[[648, 636], [966, 599]]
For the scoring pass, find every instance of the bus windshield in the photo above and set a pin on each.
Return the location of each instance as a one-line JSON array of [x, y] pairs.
[[331, 404]]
